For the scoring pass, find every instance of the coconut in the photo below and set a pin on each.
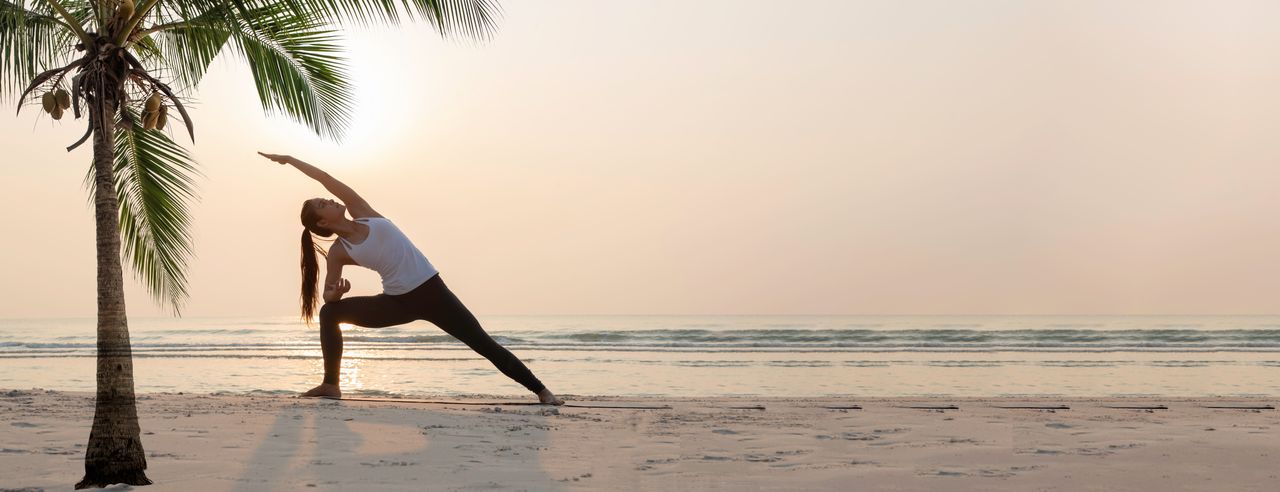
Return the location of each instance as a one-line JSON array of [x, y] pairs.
[[126, 9], [153, 102], [149, 121], [56, 113], [49, 102], [63, 98], [163, 117]]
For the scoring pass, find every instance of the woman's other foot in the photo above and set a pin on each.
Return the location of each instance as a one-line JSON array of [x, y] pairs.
[[546, 397], [325, 390]]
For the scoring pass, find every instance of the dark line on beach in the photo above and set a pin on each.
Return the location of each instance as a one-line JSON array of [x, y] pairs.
[[1138, 407], [1242, 407], [500, 403], [1033, 407], [932, 407]]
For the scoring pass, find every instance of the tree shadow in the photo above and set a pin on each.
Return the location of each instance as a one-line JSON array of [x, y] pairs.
[[340, 446]]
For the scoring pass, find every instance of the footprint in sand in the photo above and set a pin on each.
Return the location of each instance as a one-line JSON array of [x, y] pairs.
[[894, 430], [649, 463], [389, 463], [1092, 452], [849, 436], [981, 472], [1039, 451], [1129, 445]]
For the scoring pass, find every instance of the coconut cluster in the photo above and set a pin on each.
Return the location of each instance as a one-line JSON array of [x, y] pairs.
[[154, 113], [56, 102]]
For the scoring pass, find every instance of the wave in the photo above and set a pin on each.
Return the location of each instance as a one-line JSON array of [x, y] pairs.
[[926, 337], [682, 340]]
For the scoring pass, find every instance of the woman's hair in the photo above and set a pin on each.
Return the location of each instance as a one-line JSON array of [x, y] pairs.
[[310, 266]]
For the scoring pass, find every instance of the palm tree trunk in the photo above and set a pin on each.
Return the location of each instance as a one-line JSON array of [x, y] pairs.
[[115, 452]]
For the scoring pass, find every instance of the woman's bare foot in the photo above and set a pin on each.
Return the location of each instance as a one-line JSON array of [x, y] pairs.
[[324, 390], [545, 396]]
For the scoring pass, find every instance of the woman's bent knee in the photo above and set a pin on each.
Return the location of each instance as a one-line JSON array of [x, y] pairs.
[[329, 312]]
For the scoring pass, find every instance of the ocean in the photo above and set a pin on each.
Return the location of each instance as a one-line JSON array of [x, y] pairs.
[[688, 356]]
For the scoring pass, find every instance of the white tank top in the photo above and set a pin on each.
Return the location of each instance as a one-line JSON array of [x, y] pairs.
[[391, 254]]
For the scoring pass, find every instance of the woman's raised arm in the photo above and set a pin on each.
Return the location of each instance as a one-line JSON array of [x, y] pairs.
[[356, 204]]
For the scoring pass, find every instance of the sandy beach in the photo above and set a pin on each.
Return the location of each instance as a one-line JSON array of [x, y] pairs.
[[241, 443]]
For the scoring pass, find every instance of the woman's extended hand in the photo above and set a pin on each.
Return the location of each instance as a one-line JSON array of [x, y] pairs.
[[281, 158], [334, 291], [342, 286]]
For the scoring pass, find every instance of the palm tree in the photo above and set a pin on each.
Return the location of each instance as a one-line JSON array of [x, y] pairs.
[[104, 60]]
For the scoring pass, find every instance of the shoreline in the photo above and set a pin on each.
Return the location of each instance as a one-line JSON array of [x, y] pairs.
[[238, 443]]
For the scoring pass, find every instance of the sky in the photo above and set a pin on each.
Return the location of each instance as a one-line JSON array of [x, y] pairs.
[[741, 157]]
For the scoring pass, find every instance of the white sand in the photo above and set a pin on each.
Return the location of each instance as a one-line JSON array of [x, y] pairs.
[[239, 443]]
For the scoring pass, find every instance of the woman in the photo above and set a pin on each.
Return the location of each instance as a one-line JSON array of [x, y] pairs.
[[412, 288]]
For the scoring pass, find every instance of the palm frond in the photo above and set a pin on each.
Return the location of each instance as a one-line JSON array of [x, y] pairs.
[[30, 42], [150, 53], [473, 18], [191, 39], [155, 183], [296, 68], [81, 10]]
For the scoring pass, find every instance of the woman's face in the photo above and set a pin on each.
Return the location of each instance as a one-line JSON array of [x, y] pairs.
[[329, 211]]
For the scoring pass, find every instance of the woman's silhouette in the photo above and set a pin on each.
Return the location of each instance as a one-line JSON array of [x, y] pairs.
[[411, 285]]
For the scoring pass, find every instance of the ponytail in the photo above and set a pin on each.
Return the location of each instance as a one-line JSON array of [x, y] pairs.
[[310, 266], [309, 271]]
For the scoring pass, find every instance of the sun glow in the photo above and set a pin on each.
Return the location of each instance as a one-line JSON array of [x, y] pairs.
[[350, 378]]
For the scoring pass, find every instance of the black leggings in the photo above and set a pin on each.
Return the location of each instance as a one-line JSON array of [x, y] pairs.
[[432, 301]]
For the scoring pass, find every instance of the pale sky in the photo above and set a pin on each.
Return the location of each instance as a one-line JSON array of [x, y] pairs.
[[743, 157]]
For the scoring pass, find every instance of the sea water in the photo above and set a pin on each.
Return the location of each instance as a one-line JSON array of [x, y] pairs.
[[683, 356]]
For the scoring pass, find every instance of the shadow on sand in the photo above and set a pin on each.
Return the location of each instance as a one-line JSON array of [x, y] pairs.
[[333, 445]]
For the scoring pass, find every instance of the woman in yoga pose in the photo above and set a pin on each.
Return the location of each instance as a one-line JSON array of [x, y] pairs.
[[411, 286]]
